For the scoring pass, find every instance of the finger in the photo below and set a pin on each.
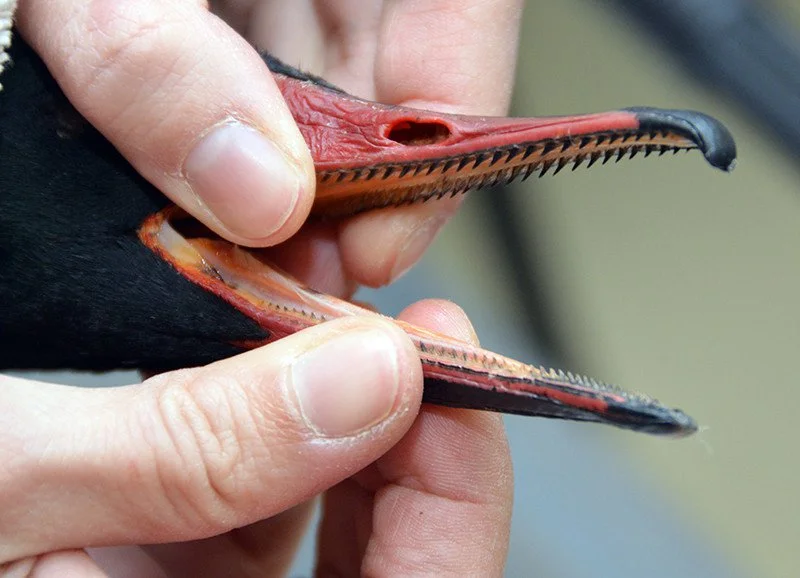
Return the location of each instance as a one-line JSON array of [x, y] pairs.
[[266, 548], [339, 38], [188, 102], [126, 562], [313, 257], [443, 317], [350, 33], [456, 57], [438, 503], [445, 508], [274, 27], [194, 453], [236, 13], [54, 565], [379, 247]]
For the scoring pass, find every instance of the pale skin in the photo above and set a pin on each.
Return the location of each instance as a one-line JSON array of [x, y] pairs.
[[217, 466]]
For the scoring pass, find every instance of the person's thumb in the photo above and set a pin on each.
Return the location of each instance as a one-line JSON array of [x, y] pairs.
[[197, 452], [188, 102]]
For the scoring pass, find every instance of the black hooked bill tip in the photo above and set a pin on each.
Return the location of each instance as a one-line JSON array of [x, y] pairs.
[[712, 137], [651, 418]]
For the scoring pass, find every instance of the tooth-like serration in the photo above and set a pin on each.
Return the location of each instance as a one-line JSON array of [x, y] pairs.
[[487, 168], [569, 378]]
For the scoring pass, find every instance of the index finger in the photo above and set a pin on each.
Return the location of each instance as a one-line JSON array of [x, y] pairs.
[[451, 56]]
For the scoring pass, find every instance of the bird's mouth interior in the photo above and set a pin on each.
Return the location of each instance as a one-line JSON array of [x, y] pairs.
[[240, 275], [193, 247], [179, 233], [183, 238]]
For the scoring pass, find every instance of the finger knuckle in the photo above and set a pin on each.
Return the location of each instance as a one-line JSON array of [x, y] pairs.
[[129, 55], [206, 470]]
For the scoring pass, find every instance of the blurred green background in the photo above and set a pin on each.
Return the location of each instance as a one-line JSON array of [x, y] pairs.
[[668, 277]]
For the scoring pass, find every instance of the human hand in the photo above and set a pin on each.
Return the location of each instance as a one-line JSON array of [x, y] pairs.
[[160, 79], [214, 467], [163, 80]]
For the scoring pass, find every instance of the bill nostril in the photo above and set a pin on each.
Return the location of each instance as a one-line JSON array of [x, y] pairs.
[[410, 133]]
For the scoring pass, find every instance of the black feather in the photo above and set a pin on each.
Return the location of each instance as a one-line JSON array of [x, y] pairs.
[[77, 288]]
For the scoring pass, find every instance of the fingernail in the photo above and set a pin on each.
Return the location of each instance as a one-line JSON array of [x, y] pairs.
[[243, 180], [347, 384], [415, 244]]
